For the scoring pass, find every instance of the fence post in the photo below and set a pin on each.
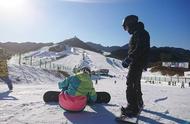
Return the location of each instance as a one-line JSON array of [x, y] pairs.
[[40, 63], [165, 79], [178, 78], [45, 64], [31, 60], [58, 67], [19, 60], [50, 65]]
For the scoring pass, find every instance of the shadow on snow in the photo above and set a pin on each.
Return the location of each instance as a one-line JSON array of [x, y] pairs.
[[100, 115], [5, 96], [162, 115]]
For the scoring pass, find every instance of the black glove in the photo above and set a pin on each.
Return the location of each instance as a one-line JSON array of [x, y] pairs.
[[126, 62]]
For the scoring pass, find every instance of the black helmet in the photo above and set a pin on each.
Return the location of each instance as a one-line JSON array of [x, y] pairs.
[[131, 19], [129, 23]]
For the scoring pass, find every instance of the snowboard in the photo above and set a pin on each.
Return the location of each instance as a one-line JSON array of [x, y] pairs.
[[128, 120], [53, 96]]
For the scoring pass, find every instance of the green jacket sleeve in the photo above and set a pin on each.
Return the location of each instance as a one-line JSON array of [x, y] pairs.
[[92, 95]]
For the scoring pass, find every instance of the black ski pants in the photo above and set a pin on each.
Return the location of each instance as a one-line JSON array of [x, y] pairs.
[[133, 92]]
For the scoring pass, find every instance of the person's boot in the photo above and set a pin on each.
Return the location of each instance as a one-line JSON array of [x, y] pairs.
[[141, 104], [10, 87], [129, 111]]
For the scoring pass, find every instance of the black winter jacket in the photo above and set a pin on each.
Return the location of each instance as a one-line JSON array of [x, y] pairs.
[[139, 46]]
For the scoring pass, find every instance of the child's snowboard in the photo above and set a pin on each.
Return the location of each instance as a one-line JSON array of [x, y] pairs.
[[53, 96]]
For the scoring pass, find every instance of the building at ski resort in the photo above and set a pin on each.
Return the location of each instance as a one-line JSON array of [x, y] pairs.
[[187, 73], [176, 64]]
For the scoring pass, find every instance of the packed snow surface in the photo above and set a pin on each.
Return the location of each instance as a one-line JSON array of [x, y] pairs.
[[163, 104]]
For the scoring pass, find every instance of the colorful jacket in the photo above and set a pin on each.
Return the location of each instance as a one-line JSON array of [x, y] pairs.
[[76, 92], [79, 85], [3, 68]]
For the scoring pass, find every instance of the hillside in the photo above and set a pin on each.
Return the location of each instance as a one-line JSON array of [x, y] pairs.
[[103, 48], [169, 71], [76, 42], [70, 58], [32, 75], [159, 54], [169, 54], [14, 47]]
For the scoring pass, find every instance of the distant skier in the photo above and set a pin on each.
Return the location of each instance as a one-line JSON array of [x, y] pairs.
[[4, 76], [169, 83], [182, 84], [138, 52], [77, 90], [96, 81], [115, 81]]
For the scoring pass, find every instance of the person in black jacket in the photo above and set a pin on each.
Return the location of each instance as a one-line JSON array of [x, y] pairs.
[[137, 59]]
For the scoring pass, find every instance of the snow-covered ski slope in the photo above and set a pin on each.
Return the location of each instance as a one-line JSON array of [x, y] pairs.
[[163, 103], [73, 57]]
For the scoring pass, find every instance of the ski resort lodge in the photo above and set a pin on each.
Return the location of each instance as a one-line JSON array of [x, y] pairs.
[[187, 73], [176, 64]]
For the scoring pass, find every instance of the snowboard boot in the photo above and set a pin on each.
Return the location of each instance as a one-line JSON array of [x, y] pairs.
[[129, 111], [141, 104], [10, 87]]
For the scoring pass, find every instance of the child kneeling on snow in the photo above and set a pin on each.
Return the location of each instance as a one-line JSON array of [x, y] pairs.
[[77, 91]]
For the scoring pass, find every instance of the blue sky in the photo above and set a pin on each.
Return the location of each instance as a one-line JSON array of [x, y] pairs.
[[98, 21]]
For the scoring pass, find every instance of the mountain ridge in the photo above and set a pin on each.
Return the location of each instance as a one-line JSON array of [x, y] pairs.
[[14, 47], [76, 42], [119, 52]]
